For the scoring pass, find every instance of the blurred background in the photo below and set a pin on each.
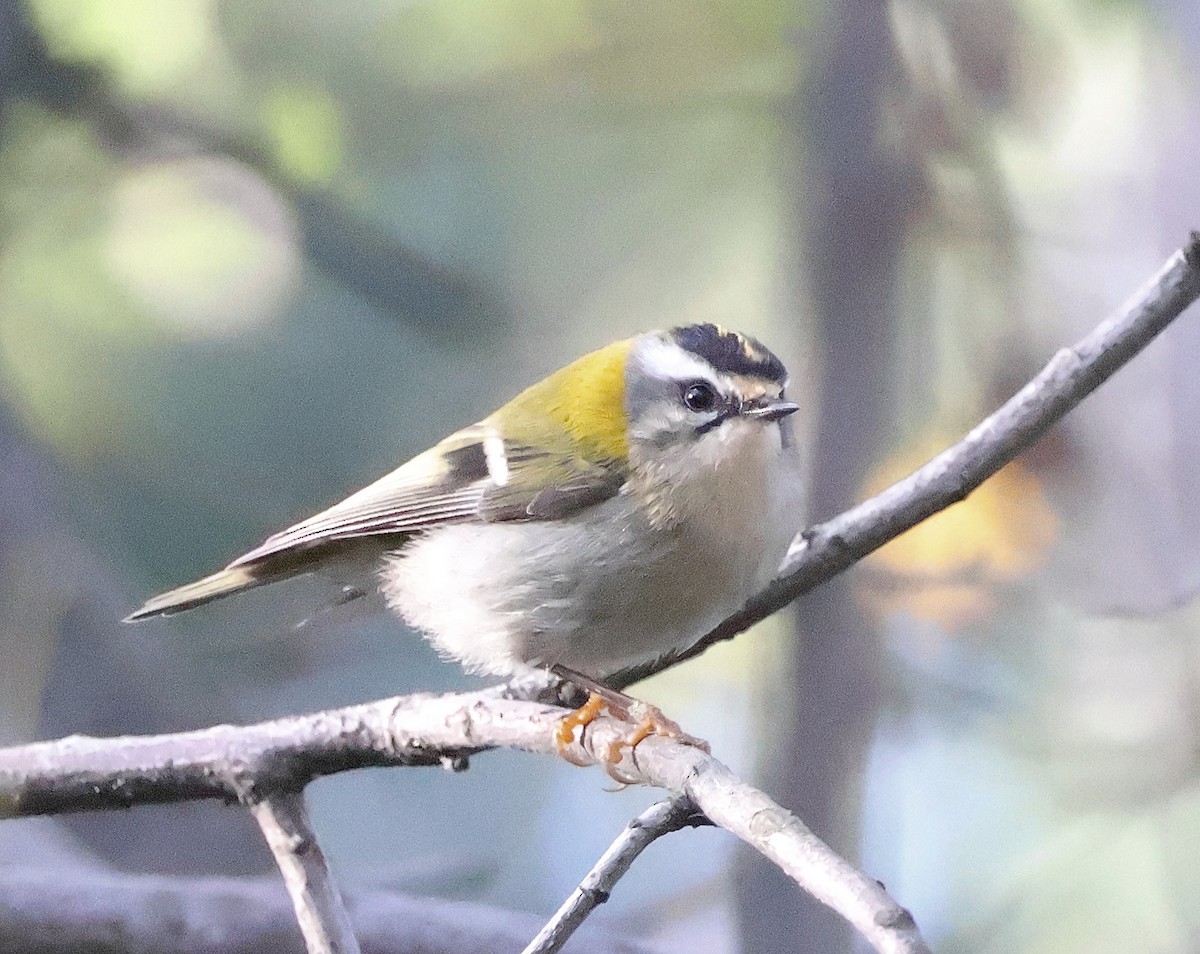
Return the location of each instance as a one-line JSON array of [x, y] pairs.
[[254, 254]]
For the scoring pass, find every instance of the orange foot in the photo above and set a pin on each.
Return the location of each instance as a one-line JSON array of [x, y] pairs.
[[580, 718], [650, 720]]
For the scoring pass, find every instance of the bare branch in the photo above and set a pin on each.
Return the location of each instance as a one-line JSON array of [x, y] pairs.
[[659, 819], [80, 773], [109, 912], [828, 548], [258, 762], [776, 833], [417, 730], [320, 913]]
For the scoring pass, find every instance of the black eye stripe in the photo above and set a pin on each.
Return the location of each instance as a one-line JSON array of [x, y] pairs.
[[716, 421]]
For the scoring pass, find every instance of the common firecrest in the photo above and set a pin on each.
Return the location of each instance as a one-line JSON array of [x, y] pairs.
[[611, 513]]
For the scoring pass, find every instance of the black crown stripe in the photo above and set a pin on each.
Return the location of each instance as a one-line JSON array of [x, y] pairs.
[[730, 352]]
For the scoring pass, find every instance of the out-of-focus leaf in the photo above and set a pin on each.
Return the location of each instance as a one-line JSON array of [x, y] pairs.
[[305, 127], [947, 569], [203, 243], [147, 44], [103, 264], [64, 323]]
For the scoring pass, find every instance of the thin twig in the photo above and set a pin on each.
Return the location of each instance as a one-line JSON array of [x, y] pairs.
[[825, 550], [320, 912], [780, 836], [659, 819], [74, 908]]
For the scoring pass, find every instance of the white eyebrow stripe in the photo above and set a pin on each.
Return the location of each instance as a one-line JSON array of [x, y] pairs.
[[497, 460], [670, 362]]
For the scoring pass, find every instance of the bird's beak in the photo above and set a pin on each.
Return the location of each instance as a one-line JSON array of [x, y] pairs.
[[768, 409]]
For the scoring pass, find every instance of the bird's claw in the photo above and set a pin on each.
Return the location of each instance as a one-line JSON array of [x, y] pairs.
[[650, 721]]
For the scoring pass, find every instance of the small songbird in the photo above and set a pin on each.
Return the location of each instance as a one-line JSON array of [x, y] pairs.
[[610, 514]]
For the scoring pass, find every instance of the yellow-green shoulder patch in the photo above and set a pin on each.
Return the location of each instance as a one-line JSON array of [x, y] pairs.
[[585, 402]]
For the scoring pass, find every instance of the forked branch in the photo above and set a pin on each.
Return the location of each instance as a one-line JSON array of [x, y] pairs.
[[221, 762], [269, 764]]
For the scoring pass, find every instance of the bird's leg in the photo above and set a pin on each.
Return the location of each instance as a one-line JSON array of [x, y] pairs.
[[578, 718], [646, 719]]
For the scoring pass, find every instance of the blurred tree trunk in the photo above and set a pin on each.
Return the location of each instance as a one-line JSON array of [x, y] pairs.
[[852, 204]]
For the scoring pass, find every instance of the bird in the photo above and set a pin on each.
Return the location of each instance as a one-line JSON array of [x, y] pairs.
[[611, 514]]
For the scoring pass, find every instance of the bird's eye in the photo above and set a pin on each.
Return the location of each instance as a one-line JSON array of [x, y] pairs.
[[700, 396]]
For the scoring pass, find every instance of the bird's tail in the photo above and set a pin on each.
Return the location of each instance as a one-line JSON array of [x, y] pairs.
[[232, 579]]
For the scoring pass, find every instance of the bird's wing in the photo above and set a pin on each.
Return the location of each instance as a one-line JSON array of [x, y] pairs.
[[471, 475]]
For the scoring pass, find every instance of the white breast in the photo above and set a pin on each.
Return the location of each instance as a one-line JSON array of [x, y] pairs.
[[616, 583]]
